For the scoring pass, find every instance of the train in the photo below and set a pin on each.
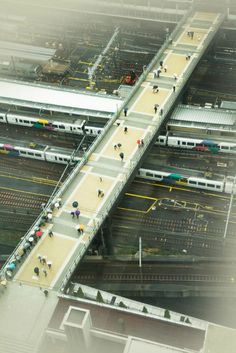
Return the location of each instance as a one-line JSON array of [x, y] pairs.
[[60, 156], [78, 127], [196, 144], [56, 155], [227, 185]]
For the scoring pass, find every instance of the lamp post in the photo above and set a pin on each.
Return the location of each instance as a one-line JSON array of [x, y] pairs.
[[230, 206], [140, 252]]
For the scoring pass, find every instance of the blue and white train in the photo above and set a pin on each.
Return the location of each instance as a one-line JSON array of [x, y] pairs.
[[79, 126]]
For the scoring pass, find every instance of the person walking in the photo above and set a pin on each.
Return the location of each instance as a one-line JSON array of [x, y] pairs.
[[125, 111], [50, 234], [44, 272], [100, 193], [115, 147], [125, 130], [119, 145], [155, 108], [174, 88], [138, 142], [100, 179], [73, 214], [161, 63], [142, 143], [165, 68], [49, 264], [57, 205], [36, 271], [81, 229], [77, 213], [122, 156], [44, 260], [155, 89]]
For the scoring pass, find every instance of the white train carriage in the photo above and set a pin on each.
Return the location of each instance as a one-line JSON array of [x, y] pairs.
[[196, 144], [176, 179]]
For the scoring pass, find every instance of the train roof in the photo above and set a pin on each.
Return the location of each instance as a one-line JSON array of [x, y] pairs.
[[198, 136], [185, 173]]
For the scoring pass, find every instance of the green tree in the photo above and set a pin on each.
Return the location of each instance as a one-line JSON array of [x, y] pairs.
[[167, 314], [80, 293], [145, 310], [99, 297]]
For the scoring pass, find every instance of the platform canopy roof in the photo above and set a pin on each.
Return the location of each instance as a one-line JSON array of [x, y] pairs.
[[57, 98], [25, 51], [203, 115]]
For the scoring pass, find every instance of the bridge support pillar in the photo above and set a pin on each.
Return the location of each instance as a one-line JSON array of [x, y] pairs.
[[106, 235]]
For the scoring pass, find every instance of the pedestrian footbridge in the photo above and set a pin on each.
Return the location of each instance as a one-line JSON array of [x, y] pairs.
[[102, 167]]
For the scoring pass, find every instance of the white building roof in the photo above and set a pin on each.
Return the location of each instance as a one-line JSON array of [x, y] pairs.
[[138, 345], [203, 115], [47, 97]]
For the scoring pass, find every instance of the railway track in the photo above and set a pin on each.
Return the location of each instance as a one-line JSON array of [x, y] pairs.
[[170, 243], [163, 278]]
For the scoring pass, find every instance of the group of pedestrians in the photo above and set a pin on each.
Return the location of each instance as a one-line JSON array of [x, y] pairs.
[[157, 72], [43, 261], [140, 142], [75, 213]]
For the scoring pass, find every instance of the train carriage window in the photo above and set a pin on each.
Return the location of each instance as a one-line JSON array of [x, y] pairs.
[[178, 142], [183, 180], [199, 144], [192, 182], [1, 117], [61, 127], [54, 125], [224, 147], [149, 174], [30, 153], [55, 158], [217, 186], [60, 159], [183, 143], [37, 155], [158, 176], [16, 120], [211, 185], [202, 184], [161, 140], [190, 143], [26, 121], [21, 121], [23, 152]]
